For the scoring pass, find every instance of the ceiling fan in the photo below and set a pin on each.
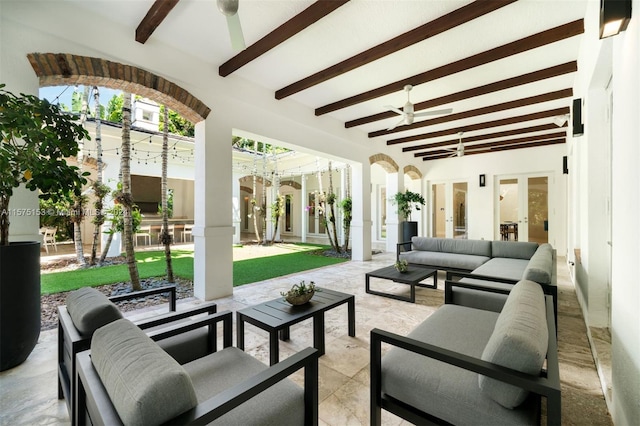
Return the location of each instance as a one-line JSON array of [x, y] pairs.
[[459, 151], [407, 111], [229, 8]]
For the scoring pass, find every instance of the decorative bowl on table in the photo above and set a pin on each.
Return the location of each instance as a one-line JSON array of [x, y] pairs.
[[300, 293], [402, 266]]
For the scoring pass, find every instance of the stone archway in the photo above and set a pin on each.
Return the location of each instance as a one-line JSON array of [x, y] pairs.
[[385, 162], [55, 69], [413, 172]]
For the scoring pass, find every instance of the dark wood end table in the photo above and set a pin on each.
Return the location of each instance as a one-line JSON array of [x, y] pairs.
[[413, 276], [277, 316]]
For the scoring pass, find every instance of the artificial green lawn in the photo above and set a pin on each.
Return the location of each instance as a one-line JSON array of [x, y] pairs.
[[152, 264]]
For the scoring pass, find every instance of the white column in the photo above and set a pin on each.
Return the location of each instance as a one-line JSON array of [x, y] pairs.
[[236, 209], [303, 209], [361, 223], [111, 178], [213, 230], [395, 184]]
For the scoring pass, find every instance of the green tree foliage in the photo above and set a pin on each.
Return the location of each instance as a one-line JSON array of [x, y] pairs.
[[36, 138], [114, 109], [178, 125]]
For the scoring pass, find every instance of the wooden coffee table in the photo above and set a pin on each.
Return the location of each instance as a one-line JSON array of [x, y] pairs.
[[413, 277], [276, 316]]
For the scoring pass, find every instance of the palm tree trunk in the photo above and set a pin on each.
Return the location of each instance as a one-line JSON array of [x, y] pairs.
[[254, 200], [127, 202], [166, 238], [106, 248], [77, 231], [99, 218]]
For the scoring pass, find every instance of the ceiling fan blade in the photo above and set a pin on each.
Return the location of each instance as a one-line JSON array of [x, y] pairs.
[[435, 112], [235, 32], [394, 109], [397, 124]]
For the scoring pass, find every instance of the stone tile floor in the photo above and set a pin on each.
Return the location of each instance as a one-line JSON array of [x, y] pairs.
[[28, 393]]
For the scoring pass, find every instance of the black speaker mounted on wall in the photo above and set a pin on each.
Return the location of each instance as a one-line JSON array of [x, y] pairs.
[[578, 127]]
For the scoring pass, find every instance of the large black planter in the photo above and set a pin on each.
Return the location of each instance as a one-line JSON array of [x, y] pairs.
[[19, 302], [409, 229]]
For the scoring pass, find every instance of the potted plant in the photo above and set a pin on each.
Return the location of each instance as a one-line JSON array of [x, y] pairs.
[[300, 294], [406, 202], [36, 139]]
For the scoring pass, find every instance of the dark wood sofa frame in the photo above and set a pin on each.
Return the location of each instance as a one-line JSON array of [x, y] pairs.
[[94, 406], [71, 342], [547, 385]]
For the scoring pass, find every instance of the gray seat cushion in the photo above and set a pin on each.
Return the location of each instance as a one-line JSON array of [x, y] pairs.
[[502, 267], [540, 267], [452, 245], [281, 404], [513, 249], [519, 341], [445, 391], [443, 260], [89, 310], [480, 299], [145, 385]]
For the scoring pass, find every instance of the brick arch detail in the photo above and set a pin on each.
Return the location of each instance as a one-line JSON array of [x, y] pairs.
[[385, 162], [54, 69], [412, 172], [292, 183], [246, 189]]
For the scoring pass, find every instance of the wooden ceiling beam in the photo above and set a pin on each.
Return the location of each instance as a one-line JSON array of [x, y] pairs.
[[501, 148], [154, 17], [423, 32], [508, 83], [466, 141], [506, 133], [531, 100], [293, 26], [485, 125], [537, 40]]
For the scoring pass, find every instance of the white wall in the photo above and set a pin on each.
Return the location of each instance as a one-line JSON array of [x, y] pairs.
[[616, 57], [482, 211]]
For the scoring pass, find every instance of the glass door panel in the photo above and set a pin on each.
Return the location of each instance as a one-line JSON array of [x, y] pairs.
[[537, 218], [439, 220], [509, 209], [524, 208], [449, 211], [460, 210]]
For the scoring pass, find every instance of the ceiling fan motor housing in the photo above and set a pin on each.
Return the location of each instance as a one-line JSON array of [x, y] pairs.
[[228, 7]]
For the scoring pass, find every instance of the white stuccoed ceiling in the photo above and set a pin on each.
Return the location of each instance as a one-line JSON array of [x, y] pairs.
[[197, 27]]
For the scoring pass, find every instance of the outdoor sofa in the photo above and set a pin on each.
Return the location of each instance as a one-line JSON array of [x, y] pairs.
[[465, 365], [126, 378], [492, 264], [87, 309]]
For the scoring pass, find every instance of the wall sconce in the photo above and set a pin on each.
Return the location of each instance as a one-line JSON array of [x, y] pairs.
[[614, 17], [578, 127], [482, 180]]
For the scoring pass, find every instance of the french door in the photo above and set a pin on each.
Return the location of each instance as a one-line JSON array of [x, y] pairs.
[[449, 210], [523, 208]]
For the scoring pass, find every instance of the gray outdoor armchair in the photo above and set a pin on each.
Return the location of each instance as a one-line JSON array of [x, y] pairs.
[[87, 310], [126, 378]]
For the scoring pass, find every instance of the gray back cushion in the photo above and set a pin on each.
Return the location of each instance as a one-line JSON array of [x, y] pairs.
[[540, 268], [519, 341], [145, 385], [513, 249], [89, 310], [451, 245]]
